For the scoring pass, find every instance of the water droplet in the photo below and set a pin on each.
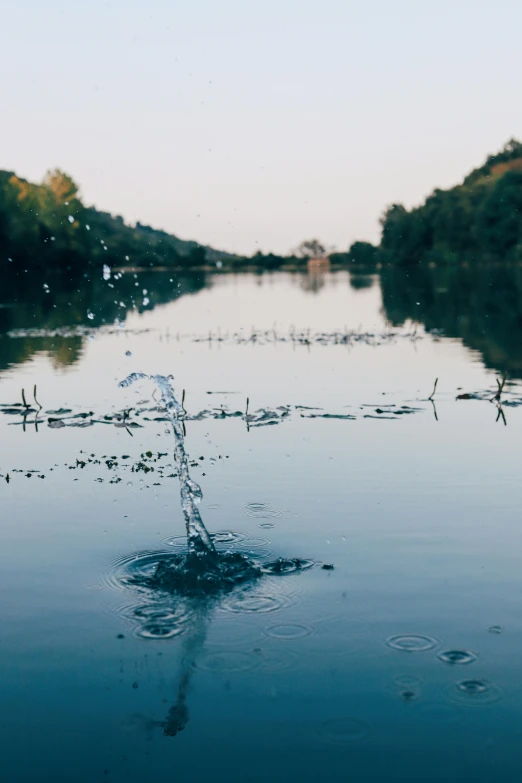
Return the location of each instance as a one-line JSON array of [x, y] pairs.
[[412, 643], [106, 272], [146, 301], [87, 226], [457, 656], [128, 353], [129, 483], [70, 219], [90, 315]]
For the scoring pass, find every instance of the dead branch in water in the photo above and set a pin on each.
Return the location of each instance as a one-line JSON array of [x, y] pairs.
[[500, 388], [434, 390]]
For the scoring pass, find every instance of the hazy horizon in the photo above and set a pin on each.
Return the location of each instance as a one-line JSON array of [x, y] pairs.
[[255, 127]]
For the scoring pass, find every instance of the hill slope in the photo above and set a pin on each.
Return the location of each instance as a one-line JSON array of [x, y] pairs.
[[47, 226], [481, 219]]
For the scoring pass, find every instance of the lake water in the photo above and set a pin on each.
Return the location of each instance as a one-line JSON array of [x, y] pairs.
[[400, 663]]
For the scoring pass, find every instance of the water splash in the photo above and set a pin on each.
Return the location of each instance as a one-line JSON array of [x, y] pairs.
[[203, 569], [199, 542]]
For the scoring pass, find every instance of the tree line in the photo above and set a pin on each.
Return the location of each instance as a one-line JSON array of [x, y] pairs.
[[47, 226], [478, 220]]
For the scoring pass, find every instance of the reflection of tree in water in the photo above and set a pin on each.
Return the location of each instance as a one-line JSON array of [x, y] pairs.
[[313, 281], [360, 281], [481, 305], [53, 301]]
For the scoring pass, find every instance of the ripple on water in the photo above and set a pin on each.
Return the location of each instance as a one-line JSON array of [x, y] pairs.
[[457, 657], [159, 620], [159, 631], [253, 603], [288, 631], [121, 572], [179, 542], [344, 731], [226, 661], [412, 643], [475, 691], [221, 539], [255, 543], [227, 537], [408, 681], [495, 629], [264, 511]]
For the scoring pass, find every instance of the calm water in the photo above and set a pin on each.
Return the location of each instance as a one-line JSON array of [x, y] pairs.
[[400, 664]]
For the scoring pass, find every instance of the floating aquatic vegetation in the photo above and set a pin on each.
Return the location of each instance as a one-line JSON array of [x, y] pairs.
[[134, 418], [304, 337], [307, 338], [346, 416]]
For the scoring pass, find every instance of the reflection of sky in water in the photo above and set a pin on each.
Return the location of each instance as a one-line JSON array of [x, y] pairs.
[[308, 675]]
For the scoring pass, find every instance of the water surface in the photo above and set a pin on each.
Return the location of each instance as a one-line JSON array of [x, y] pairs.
[[399, 664]]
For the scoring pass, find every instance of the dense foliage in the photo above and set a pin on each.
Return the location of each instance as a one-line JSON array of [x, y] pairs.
[[47, 226], [481, 219]]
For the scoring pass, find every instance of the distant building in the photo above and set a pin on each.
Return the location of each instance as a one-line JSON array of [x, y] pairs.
[[320, 264]]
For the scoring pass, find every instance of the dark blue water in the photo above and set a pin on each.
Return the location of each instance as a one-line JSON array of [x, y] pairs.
[[399, 664]]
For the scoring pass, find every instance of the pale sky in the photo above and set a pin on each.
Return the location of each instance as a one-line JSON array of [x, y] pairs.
[[253, 125]]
